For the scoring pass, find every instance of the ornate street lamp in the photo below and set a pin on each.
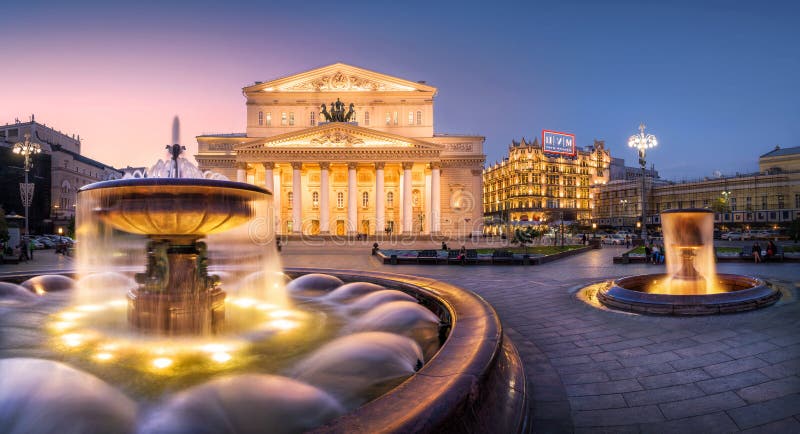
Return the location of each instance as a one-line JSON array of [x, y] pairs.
[[26, 149], [643, 142], [623, 204]]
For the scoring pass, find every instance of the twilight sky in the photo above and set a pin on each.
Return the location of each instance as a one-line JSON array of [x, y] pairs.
[[718, 81]]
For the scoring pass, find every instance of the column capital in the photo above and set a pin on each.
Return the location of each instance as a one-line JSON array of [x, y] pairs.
[[241, 165], [352, 165], [297, 165], [268, 165], [325, 165], [380, 165], [436, 164], [408, 165]]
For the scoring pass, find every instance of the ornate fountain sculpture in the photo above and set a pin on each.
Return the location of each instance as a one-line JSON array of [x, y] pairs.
[[176, 295]]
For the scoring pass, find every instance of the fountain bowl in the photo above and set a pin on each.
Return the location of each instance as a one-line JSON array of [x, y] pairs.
[[182, 208], [736, 294]]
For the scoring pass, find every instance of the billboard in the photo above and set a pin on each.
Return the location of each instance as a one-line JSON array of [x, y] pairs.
[[554, 142]]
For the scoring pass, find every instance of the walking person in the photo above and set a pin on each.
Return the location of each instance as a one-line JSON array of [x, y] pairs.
[[756, 250], [627, 241], [30, 248]]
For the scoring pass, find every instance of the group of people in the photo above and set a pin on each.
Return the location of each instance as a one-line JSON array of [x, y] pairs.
[[761, 256], [654, 253]]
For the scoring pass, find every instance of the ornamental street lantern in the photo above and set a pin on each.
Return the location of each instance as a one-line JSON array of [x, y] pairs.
[[642, 142], [26, 149]]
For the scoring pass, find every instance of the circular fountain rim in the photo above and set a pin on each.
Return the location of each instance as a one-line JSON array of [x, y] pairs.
[[173, 182], [759, 294], [475, 379]]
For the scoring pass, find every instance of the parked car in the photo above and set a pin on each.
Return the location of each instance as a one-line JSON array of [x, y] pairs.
[[614, 239]]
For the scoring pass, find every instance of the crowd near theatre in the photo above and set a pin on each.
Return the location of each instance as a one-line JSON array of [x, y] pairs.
[[351, 151]]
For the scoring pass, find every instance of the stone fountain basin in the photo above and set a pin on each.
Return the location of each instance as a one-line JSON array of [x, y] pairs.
[[167, 207], [743, 293]]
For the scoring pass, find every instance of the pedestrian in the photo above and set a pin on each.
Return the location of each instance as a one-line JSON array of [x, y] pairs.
[[772, 249], [648, 251], [444, 245], [30, 248], [583, 239], [756, 250], [462, 255], [278, 245], [627, 241], [655, 254]]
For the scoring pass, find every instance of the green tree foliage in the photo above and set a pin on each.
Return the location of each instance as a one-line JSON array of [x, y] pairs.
[[794, 230], [525, 237]]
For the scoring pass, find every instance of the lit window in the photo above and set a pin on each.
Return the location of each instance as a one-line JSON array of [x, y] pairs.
[[366, 118], [313, 118], [269, 119], [388, 118], [365, 200], [396, 117], [419, 117], [283, 119], [315, 200], [340, 200], [411, 118], [260, 118], [390, 199], [290, 198], [291, 119]]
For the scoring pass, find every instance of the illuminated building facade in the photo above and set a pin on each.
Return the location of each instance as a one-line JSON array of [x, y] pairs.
[[531, 185], [350, 151]]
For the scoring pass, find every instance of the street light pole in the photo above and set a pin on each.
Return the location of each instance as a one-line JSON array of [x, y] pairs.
[[643, 142], [26, 149]]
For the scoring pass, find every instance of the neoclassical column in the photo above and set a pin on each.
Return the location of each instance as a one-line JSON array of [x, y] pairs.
[[352, 200], [408, 219], [436, 199], [241, 171], [324, 199], [297, 194], [268, 177], [380, 200]]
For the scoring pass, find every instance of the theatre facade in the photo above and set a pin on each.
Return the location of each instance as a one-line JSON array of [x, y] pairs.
[[351, 151]]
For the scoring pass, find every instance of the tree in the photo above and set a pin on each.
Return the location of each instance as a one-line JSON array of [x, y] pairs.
[[524, 237], [794, 230], [71, 227], [3, 226]]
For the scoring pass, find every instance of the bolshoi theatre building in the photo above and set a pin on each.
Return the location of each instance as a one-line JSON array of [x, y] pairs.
[[346, 151]]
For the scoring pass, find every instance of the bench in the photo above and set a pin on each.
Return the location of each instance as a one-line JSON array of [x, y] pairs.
[[777, 256], [427, 256], [452, 257], [502, 257], [472, 256], [747, 252]]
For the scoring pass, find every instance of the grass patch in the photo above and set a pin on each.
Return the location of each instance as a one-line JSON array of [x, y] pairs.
[[535, 250], [728, 249], [791, 249]]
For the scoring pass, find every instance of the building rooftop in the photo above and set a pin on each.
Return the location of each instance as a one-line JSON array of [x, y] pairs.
[[778, 152], [223, 135]]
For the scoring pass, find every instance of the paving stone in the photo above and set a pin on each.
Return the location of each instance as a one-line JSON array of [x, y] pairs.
[[675, 344], [700, 361], [552, 410], [603, 388], [750, 350], [649, 359], [572, 360], [614, 416], [701, 405], [714, 336], [662, 395], [766, 412], [770, 389], [706, 424], [782, 369], [587, 367], [640, 371], [629, 343], [786, 340], [732, 382], [781, 354], [620, 429], [788, 425], [597, 402], [674, 378], [702, 349], [585, 377], [735, 366]]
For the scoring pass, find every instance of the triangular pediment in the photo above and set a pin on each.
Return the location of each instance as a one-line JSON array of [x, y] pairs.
[[337, 135], [340, 77]]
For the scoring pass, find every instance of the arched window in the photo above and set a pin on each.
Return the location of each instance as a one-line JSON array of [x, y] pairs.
[[290, 198], [365, 199], [260, 118], [366, 119], [340, 200], [313, 118], [419, 117], [269, 119], [390, 199], [388, 118], [291, 118], [315, 199], [411, 118]]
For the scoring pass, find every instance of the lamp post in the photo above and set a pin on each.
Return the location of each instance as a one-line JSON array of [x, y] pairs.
[[26, 149], [623, 203], [642, 142]]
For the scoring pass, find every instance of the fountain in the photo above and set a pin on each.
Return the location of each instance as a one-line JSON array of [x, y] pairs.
[[179, 318], [691, 285]]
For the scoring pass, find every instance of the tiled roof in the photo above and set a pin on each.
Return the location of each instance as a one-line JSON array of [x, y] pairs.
[[778, 152]]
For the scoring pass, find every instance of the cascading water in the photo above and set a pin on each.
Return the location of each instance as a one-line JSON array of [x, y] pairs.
[[179, 290], [689, 252]]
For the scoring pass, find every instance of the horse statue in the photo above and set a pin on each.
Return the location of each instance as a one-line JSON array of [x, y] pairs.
[[325, 113], [350, 113]]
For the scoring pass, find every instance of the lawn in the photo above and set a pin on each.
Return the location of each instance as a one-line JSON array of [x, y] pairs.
[[535, 250]]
